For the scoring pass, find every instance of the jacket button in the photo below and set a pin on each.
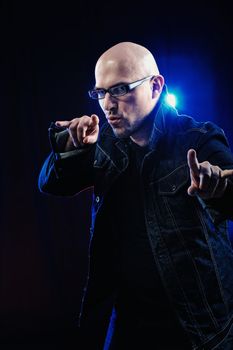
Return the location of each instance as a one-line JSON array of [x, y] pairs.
[[173, 188], [97, 199]]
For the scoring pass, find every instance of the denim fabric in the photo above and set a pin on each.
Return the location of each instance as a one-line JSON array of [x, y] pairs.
[[188, 236], [192, 252]]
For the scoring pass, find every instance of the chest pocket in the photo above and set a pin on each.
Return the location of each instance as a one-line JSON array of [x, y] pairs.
[[173, 183]]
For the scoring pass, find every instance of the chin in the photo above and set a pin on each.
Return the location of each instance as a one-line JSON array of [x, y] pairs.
[[121, 134]]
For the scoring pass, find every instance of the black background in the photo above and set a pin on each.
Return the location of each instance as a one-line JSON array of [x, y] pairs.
[[48, 53]]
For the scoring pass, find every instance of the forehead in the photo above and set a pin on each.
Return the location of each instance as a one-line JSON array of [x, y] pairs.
[[110, 73]]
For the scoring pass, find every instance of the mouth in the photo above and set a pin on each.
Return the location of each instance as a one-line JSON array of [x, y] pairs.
[[114, 121]]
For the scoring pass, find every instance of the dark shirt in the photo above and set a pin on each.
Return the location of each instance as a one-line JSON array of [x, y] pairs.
[[142, 302]]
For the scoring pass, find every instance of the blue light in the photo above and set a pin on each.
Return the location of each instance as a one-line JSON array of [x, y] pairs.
[[171, 99]]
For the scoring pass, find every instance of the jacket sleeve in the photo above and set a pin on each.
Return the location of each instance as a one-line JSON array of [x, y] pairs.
[[66, 173], [214, 147]]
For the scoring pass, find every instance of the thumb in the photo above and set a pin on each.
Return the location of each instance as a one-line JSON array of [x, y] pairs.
[[93, 130], [63, 123]]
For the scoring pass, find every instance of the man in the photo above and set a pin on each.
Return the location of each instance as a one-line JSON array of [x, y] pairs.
[[163, 190]]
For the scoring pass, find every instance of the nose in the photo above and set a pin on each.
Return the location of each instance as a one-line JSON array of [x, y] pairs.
[[108, 103]]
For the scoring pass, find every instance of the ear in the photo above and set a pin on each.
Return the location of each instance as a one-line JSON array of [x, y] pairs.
[[157, 85]]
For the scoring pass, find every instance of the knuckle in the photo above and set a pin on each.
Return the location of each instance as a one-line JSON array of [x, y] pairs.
[[74, 124], [84, 121], [216, 172], [205, 164]]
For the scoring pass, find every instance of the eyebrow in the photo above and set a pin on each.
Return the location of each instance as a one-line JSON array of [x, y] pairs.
[[120, 83]]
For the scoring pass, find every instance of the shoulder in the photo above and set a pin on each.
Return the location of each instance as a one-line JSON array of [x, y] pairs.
[[184, 132], [183, 124]]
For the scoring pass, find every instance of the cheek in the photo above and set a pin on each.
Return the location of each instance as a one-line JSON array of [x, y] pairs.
[[137, 107], [144, 104], [130, 105], [130, 111]]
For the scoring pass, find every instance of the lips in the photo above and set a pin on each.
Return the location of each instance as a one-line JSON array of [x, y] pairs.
[[114, 121]]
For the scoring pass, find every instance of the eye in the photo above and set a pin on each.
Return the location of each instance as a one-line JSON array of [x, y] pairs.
[[119, 90], [101, 93], [97, 93]]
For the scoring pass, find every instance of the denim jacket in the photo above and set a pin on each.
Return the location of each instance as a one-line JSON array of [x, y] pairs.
[[188, 235]]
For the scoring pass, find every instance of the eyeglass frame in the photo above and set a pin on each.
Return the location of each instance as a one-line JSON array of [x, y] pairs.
[[129, 87]]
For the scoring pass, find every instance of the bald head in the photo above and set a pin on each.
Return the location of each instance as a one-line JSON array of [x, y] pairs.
[[129, 80], [128, 60]]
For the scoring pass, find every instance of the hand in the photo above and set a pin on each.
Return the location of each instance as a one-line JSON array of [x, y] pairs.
[[207, 180], [82, 131]]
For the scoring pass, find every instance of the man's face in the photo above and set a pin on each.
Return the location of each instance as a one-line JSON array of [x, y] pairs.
[[125, 113]]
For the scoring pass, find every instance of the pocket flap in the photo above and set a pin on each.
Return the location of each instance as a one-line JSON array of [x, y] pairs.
[[174, 181]]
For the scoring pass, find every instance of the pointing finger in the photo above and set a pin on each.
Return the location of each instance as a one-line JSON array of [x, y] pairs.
[[94, 120], [193, 162]]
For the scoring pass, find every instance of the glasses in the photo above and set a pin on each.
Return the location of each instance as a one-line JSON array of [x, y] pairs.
[[117, 90]]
